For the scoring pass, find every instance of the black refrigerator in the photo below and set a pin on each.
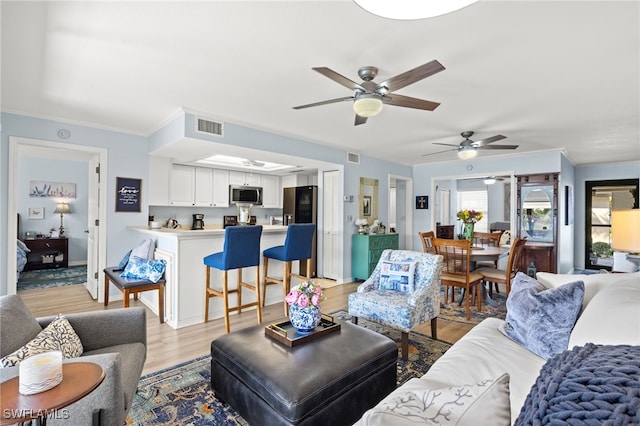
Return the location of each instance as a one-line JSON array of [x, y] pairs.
[[300, 205]]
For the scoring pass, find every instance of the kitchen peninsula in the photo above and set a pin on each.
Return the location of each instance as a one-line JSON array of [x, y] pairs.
[[183, 250]]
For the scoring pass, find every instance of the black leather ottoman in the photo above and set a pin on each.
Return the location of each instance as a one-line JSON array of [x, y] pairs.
[[332, 380]]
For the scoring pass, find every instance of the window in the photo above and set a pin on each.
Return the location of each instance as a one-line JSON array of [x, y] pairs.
[[605, 196], [475, 199]]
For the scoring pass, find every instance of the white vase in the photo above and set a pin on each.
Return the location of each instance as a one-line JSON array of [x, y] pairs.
[[305, 320]]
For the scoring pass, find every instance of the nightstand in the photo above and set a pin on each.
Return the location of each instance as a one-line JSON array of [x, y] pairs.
[[47, 253]]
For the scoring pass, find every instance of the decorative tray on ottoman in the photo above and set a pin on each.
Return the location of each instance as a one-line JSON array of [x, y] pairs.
[[286, 334]]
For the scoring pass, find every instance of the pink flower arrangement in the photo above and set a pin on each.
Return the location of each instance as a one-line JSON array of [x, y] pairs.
[[305, 294]]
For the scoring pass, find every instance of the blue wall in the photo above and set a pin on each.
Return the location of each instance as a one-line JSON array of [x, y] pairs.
[[128, 157]]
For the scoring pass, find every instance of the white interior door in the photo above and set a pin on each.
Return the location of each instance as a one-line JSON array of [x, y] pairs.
[[331, 225], [93, 236]]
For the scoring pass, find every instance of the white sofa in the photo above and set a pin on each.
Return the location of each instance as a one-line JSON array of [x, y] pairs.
[[610, 315]]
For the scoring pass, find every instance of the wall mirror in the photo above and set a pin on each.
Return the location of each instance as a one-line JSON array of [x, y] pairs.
[[368, 199], [537, 212]]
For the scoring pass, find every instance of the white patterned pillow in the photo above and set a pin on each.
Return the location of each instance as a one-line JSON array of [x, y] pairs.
[[485, 403], [398, 276], [58, 336], [144, 269]]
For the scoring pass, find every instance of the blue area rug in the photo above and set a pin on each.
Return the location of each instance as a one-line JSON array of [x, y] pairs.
[[453, 312], [181, 395], [47, 278]]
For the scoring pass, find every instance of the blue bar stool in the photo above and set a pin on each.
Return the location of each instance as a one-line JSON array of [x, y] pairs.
[[241, 250], [297, 246]]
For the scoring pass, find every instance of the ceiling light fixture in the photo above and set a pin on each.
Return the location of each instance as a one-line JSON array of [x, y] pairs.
[[489, 181], [467, 153], [412, 9], [367, 105]]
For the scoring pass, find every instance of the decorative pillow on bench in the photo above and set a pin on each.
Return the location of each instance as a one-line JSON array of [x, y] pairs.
[[144, 269]]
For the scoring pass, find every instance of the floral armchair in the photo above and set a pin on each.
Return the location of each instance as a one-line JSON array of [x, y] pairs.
[[403, 308]]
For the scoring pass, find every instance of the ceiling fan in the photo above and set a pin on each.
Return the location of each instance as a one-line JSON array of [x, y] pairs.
[[468, 149], [369, 96]]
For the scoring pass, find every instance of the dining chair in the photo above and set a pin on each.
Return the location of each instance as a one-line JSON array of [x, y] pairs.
[[426, 238], [456, 269], [297, 246], [490, 239], [500, 276], [241, 249]]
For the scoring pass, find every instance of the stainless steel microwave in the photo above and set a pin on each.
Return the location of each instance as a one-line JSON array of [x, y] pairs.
[[242, 194]]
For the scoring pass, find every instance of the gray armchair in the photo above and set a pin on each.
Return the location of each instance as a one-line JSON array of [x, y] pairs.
[[115, 339]]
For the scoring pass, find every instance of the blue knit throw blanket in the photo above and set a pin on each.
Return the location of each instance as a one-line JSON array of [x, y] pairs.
[[588, 385]]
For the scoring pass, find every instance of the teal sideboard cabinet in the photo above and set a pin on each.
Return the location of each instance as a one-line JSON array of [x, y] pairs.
[[366, 251]]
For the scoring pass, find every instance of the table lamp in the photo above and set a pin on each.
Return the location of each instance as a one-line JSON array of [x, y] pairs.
[[62, 208], [625, 233]]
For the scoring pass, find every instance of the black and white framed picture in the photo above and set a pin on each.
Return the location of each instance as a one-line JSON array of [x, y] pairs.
[[128, 192], [36, 213]]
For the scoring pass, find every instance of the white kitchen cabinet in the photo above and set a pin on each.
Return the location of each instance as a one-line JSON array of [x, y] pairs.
[[245, 178], [183, 180], [271, 191], [203, 189], [159, 172], [295, 180], [220, 188]]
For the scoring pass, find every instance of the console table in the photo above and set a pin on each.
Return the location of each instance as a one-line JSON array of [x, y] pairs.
[[366, 251], [47, 253]]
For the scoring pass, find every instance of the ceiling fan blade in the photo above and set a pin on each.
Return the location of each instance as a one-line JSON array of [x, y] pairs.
[[408, 102], [359, 120], [439, 152], [411, 76], [499, 147], [446, 144], [339, 78], [487, 141], [330, 101]]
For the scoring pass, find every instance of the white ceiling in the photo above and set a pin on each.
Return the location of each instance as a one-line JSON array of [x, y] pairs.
[[546, 74]]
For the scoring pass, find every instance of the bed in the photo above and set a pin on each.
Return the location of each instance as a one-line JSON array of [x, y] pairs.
[[21, 257]]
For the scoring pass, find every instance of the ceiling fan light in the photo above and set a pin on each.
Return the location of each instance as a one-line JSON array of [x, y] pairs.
[[467, 153], [367, 105], [489, 181], [412, 9]]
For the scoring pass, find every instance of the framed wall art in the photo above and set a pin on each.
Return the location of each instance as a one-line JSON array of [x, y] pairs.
[[36, 213], [45, 188], [422, 202], [128, 194]]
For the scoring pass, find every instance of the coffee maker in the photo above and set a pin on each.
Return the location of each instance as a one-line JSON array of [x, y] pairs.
[[198, 221]]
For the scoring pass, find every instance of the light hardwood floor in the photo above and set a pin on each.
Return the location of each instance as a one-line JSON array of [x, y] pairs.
[[167, 347]]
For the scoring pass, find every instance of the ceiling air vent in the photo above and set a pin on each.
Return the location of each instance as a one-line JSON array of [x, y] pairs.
[[353, 158], [210, 127]]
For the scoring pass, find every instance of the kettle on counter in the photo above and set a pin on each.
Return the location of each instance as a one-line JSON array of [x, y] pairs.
[[172, 223]]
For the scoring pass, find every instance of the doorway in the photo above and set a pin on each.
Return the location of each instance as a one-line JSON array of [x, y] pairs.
[[96, 251], [400, 210], [602, 197]]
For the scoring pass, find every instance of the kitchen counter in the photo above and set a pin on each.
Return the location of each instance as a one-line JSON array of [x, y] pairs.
[[208, 231], [184, 249]]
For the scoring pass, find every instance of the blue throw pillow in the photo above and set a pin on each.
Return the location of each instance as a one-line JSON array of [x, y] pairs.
[[124, 261], [541, 319], [397, 276], [144, 269]]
